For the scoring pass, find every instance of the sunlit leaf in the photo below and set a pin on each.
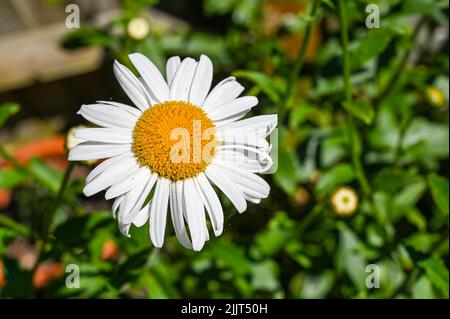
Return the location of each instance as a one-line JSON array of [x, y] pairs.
[[338, 175], [439, 191], [7, 110], [10, 178], [361, 110], [437, 273]]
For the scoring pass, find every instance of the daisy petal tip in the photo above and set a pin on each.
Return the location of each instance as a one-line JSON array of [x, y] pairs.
[[206, 58], [72, 157], [198, 246], [218, 232], [87, 192], [242, 209], [108, 196], [156, 243]]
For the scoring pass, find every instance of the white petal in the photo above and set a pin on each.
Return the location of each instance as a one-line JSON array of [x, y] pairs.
[[211, 202], [93, 151], [124, 228], [116, 205], [218, 86], [130, 109], [236, 106], [127, 183], [110, 176], [227, 187], [131, 86], [151, 75], [249, 183], [135, 198], [259, 163], [143, 216], [153, 100], [243, 139], [176, 212], [230, 119], [251, 151], [105, 135], [254, 200], [171, 68], [158, 212], [106, 164], [107, 116], [202, 81], [262, 125], [181, 84], [223, 93], [195, 214]]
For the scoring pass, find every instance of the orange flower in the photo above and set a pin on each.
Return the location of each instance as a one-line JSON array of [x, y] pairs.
[[274, 12], [110, 250], [2, 275], [5, 197], [46, 273]]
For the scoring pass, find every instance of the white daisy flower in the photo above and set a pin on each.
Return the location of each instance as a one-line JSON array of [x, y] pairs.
[[145, 157]]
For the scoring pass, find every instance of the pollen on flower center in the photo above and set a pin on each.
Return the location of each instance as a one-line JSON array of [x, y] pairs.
[[174, 139]]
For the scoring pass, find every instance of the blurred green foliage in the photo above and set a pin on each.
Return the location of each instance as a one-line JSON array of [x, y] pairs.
[[380, 133]]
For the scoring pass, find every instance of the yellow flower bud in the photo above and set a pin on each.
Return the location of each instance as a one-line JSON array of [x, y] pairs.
[[138, 28], [344, 201], [435, 96]]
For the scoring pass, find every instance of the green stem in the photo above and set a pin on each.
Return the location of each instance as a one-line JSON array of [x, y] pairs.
[[304, 224], [352, 129], [11, 224], [9, 158], [391, 83], [59, 197], [299, 61], [40, 244]]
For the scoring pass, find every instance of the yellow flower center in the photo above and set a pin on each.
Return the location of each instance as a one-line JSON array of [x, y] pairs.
[[174, 139]]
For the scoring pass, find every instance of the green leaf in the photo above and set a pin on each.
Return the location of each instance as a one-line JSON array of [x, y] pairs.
[[274, 238], [230, 255], [371, 46], [361, 110], [264, 275], [10, 178], [45, 175], [286, 175], [7, 110], [426, 141], [338, 175], [218, 7], [349, 257], [264, 82], [299, 115], [422, 289], [77, 230], [130, 269], [439, 191], [19, 281], [317, 285], [407, 198], [437, 273], [6, 237], [86, 37]]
